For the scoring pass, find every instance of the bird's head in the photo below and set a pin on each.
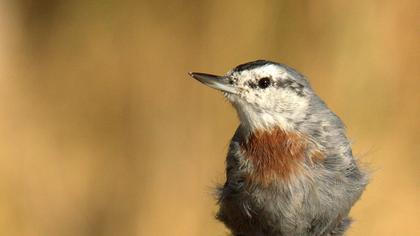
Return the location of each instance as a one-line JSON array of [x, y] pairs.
[[265, 94]]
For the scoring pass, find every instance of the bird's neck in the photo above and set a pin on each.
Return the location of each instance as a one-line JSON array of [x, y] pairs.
[[255, 120]]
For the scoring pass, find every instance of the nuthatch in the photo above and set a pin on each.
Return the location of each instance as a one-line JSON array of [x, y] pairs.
[[290, 168]]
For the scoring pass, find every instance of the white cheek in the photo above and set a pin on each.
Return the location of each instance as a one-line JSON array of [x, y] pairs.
[[265, 109], [291, 102]]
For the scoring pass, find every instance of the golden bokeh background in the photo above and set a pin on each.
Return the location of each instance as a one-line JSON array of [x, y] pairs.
[[103, 133]]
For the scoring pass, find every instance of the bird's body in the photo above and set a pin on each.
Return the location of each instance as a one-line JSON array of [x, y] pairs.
[[290, 168]]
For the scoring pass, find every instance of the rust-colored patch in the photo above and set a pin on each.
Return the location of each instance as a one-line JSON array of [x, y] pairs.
[[274, 154]]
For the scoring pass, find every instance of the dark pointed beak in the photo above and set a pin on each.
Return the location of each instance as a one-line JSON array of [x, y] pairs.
[[221, 83]]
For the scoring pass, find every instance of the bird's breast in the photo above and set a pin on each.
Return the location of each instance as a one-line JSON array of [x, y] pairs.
[[275, 155]]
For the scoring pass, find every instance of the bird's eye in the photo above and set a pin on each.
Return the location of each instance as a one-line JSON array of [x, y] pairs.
[[264, 82]]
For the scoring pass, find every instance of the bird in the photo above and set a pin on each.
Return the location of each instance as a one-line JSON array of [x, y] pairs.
[[290, 169]]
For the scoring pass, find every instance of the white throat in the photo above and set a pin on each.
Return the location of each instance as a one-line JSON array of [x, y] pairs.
[[257, 119]]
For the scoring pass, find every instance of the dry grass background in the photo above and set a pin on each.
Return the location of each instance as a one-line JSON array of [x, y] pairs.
[[103, 133]]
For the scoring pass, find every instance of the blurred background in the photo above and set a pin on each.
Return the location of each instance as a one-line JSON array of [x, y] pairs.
[[103, 133]]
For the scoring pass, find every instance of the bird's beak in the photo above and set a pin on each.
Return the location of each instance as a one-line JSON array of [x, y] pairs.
[[221, 83]]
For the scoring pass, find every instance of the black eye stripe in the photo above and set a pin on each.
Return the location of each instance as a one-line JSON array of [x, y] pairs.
[[253, 85], [292, 85], [284, 83]]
